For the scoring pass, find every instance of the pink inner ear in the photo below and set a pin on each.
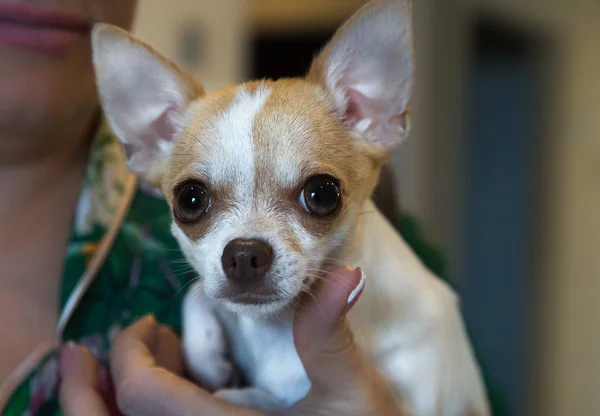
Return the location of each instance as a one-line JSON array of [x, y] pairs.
[[153, 141], [164, 126], [353, 113], [400, 120], [382, 126], [360, 107]]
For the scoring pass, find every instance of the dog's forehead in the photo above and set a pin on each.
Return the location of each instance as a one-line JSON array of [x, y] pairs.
[[262, 132]]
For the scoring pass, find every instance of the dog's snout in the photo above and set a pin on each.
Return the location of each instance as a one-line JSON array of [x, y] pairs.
[[247, 261]]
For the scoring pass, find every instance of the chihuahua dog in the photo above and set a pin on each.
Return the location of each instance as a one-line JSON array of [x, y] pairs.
[[269, 184]]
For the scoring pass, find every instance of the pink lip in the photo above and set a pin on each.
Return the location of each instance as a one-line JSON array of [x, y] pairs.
[[40, 30]]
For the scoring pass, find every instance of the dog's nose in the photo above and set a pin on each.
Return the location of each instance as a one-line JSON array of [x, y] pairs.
[[247, 261]]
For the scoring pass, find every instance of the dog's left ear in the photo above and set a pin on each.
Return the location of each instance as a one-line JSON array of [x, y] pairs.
[[145, 98], [368, 68]]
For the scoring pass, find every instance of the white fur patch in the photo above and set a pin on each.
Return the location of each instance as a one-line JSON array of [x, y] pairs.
[[233, 161]]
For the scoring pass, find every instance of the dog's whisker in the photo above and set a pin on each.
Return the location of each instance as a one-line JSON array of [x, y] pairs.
[[182, 266], [180, 273], [309, 293], [192, 135], [185, 287], [179, 261], [297, 302], [335, 259], [184, 273], [326, 279], [196, 290], [324, 273]]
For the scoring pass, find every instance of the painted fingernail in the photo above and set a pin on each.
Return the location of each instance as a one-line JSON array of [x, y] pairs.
[[358, 287], [67, 348]]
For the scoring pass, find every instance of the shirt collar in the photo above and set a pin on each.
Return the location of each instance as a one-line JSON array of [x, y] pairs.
[[104, 185], [107, 191]]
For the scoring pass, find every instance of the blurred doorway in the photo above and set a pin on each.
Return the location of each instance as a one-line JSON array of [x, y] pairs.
[[286, 54], [502, 109]]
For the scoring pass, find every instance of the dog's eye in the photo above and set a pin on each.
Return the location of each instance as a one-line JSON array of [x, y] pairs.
[[191, 201], [321, 195]]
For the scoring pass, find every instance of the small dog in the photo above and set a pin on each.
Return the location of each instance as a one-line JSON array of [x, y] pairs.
[[268, 183]]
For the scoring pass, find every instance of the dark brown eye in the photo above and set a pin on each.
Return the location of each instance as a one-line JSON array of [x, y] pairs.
[[321, 195], [191, 201]]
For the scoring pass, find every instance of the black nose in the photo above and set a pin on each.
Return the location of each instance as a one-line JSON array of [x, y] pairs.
[[247, 261]]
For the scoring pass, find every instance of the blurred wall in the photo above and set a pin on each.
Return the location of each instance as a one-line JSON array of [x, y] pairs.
[[565, 367], [305, 14], [570, 371], [208, 38]]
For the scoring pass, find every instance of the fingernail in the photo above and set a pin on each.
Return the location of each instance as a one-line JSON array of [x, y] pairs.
[[67, 353], [358, 287]]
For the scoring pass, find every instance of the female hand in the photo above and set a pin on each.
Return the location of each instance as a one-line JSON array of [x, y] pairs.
[[146, 366]]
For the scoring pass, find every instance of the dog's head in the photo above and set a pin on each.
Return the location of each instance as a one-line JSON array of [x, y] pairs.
[[266, 179]]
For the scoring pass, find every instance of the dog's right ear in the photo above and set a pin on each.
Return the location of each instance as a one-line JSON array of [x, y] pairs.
[[145, 98], [368, 69]]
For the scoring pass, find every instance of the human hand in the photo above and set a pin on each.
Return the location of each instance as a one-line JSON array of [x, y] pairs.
[[147, 368]]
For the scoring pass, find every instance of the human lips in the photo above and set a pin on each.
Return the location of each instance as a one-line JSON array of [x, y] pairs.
[[40, 30]]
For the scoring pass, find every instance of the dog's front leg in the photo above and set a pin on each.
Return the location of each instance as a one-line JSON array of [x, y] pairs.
[[204, 344], [253, 398]]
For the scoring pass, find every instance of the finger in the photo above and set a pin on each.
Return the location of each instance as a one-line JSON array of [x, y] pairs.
[[143, 387], [162, 347], [168, 351], [136, 342], [323, 338], [79, 391]]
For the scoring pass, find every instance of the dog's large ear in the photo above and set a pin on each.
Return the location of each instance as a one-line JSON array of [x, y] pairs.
[[145, 98], [368, 68]]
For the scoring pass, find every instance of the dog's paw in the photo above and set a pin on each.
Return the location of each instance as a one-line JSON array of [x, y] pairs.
[[252, 398], [213, 373]]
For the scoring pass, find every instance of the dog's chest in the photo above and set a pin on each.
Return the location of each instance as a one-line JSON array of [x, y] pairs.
[[265, 352]]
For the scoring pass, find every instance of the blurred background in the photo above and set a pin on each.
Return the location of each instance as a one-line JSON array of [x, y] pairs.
[[502, 169]]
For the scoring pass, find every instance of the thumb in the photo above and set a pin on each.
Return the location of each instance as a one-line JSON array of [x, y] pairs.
[[323, 338], [80, 390]]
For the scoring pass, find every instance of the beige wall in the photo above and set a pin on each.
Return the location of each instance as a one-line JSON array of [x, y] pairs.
[[570, 372], [290, 14], [224, 25]]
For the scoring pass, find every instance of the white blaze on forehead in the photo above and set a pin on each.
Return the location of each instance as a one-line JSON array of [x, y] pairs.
[[233, 160]]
